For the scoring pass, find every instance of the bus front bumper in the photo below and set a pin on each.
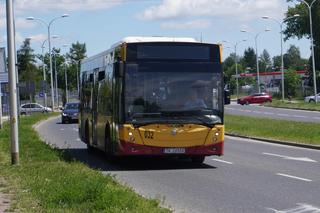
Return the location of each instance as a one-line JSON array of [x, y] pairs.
[[126, 148]]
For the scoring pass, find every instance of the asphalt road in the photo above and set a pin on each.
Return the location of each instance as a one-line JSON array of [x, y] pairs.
[[255, 110], [251, 177]]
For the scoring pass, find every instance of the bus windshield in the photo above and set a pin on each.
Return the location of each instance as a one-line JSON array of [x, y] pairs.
[[182, 92]]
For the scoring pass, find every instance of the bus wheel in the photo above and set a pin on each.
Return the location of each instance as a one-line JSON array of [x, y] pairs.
[[198, 159], [108, 145], [90, 149]]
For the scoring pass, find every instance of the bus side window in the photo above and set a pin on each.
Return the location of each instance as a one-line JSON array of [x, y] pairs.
[[101, 75]]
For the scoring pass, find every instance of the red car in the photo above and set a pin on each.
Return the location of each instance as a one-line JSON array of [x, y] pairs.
[[256, 98]]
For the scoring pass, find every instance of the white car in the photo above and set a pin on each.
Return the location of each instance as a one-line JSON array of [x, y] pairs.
[[33, 107], [311, 99]]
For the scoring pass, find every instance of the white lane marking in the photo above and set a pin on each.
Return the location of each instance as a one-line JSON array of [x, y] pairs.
[[222, 161], [301, 207], [268, 113], [294, 177], [257, 112], [75, 129], [299, 116], [229, 108], [62, 129], [305, 159], [246, 110], [280, 114], [78, 139]]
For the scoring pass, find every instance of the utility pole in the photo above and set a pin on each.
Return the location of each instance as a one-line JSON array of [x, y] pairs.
[[12, 85]]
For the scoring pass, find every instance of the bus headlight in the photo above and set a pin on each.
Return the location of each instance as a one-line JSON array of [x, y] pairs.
[[131, 137], [215, 137]]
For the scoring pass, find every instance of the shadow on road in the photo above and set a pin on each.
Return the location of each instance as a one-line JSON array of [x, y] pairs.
[[98, 161]]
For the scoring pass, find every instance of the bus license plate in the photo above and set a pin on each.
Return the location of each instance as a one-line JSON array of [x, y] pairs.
[[174, 150]]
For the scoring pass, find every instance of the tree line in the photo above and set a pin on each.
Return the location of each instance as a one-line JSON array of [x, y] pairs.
[[295, 28], [31, 66]]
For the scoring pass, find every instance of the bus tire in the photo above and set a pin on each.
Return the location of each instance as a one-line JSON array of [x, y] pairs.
[[90, 149], [108, 145], [198, 159]]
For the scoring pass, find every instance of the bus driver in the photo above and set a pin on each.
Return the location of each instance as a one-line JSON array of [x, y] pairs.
[[195, 102]]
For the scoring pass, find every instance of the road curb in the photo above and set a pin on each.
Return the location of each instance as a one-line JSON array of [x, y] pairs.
[[289, 143], [311, 110], [39, 123]]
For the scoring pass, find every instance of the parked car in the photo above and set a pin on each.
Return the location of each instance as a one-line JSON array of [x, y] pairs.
[[256, 98], [33, 107], [70, 112], [311, 99]]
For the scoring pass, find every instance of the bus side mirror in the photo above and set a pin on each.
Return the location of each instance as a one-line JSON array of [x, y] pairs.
[[226, 97], [118, 69]]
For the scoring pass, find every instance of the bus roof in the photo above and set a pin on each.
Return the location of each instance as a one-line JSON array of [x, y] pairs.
[[137, 39], [154, 39]]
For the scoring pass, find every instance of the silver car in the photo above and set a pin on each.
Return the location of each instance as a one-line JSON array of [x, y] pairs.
[[312, 99], [33, 107]]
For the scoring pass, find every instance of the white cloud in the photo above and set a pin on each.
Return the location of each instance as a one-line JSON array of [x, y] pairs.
[[235, 9], [195, 24], [64, 5]]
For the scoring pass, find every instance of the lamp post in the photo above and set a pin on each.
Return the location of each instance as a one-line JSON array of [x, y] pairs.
[[281, 33], [12, 83], [44, 74], [48, 25], [56, 76], [236, 61], [66, 76], [257, 58], [43, 68], [312, 48]]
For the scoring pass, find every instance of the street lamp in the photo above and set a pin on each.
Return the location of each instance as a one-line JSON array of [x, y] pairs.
[[312, 48], [236, 61], [257, 58], [281, 32], [48, 25]]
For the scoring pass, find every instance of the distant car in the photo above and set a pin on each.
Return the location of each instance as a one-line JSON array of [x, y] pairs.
[[311, 99], [33, 107], [256, 98], [70, 112]]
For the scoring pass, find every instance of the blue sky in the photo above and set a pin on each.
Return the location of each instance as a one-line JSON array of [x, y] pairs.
[[101, 23]]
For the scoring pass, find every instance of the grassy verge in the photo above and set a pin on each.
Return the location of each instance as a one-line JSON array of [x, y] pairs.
[[294, 105], [308, 133], [48, 180]]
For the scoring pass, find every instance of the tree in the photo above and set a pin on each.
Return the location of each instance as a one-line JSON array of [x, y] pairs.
[[292, 59], [291, 82], [28, 71], [277, 62], [265, 61], [300, 27], [76, 54], [249, 59]]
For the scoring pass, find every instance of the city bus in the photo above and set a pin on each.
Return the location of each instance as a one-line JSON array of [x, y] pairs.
[[154, 96]]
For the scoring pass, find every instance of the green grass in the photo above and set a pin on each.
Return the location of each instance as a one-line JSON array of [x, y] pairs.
[[308, 133], [295, 104], [48, 180]]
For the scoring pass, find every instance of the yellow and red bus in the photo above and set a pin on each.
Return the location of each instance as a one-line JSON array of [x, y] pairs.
[[154, 96]]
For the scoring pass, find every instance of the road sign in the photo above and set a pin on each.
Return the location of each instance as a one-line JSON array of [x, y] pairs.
[[41, 94]]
